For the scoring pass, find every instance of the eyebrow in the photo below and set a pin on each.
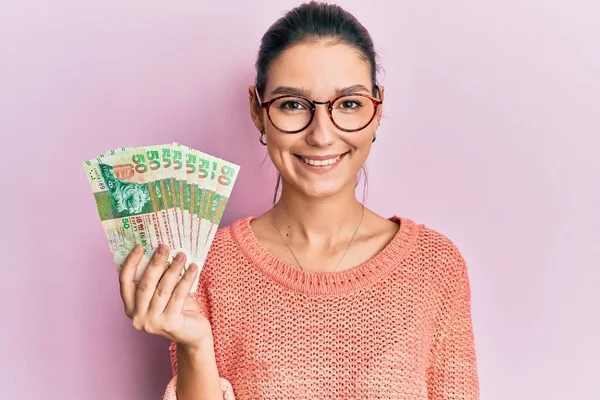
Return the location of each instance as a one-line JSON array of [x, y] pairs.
[[295, 91]]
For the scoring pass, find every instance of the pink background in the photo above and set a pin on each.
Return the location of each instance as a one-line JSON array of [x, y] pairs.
[[491, 136]]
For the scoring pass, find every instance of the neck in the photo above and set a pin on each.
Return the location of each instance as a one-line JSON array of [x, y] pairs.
[[324, 221]]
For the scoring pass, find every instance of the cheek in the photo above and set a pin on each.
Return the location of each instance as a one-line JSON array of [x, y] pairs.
[[362, 149], [360, 158], [278, 146], [362, 144]]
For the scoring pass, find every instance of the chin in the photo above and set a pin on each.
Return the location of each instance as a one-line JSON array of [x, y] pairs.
[[322, 190]]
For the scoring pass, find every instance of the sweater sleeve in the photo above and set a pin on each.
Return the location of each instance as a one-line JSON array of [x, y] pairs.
[[201, 297], [453, 371], [171, 392]]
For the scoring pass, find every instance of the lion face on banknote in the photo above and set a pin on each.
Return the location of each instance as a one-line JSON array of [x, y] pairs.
[[130, 197]]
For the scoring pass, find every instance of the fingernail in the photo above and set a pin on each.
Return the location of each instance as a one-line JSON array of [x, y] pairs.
[[179, 257], [162, 249], [192, 268]]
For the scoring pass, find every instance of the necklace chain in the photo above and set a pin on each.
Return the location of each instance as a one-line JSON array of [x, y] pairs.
[[345, 251]]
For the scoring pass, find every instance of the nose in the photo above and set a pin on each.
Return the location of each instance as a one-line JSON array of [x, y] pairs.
[[321, 131]]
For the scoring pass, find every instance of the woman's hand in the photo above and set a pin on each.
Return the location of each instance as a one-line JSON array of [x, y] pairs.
[[161, 305]]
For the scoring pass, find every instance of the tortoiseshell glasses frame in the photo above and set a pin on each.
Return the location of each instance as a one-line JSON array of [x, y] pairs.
[[313, 103]]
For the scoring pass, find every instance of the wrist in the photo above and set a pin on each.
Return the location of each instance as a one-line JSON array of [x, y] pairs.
[[197, 371], [199, 350]]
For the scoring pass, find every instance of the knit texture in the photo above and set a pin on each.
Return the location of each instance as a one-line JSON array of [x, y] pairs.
[[395, 327]]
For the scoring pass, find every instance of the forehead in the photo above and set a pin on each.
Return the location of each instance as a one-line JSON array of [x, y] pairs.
[[320, 67]]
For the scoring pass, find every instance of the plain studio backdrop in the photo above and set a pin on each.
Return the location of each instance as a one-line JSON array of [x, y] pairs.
[[491, 136]]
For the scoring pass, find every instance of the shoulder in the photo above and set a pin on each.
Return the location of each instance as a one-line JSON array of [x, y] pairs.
[[225, 246], [441, 267], [215, 268], [440, 247], [438, 254], [224, 240]]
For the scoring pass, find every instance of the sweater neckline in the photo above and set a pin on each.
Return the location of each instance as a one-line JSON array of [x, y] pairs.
[[323, 283]]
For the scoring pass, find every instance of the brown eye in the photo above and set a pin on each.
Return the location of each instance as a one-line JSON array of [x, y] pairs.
[[292, 106], [347, 105]]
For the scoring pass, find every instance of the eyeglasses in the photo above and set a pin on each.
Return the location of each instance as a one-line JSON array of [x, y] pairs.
[[349, 113]]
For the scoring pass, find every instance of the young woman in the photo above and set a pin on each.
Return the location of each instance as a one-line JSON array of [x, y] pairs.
[[320, 297]]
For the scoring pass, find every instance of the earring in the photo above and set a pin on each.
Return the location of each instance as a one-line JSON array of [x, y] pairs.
[[374, 137], [261, 139]]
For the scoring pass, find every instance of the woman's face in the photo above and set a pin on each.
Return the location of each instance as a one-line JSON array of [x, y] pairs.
[[322, 159]]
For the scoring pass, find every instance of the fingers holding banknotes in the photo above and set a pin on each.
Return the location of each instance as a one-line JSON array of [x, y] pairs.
[[161, 303]]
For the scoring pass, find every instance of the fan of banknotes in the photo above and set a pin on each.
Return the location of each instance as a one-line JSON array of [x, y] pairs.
[[169, 194]]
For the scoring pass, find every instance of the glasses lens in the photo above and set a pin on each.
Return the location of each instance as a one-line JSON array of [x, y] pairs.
[[290, 113], [353, 112]]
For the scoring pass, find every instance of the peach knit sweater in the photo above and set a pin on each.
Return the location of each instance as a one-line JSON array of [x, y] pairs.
[[395, 327]]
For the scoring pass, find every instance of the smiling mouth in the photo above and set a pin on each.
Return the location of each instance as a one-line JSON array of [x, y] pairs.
[[320, 162]]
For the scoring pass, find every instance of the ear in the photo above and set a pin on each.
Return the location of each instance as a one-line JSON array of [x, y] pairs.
[[255, 109], [381, 92], [380, 109]]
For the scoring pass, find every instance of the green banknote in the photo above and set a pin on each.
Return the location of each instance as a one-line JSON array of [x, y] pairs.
[[169, 194], [190, 188], [223, 174], [199, 192]]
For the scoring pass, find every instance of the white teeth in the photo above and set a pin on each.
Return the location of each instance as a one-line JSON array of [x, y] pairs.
[[320, 163]]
